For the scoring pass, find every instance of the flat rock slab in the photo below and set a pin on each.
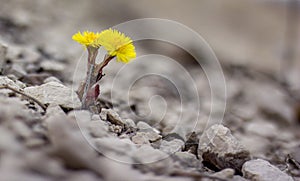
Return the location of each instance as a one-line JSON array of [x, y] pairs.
[[219, 148], [262, 170], [54, 93], [4, 80]]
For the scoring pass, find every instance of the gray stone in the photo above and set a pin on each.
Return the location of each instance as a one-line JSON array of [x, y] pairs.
[[82, 175], [145, 137], [14, 167], [254, 143], [8, 143], [220, 148], [187, 159], [52, 79], [34, 142], [272, 102], [225, 174], [54, 93], [262, 128], [54, 109], [153, 160], [4, 80], [71, 146], [130, 123], [239, 178], [140, 138], [172, 146], [98, 129], [17, 70], [43, 164], [52, 65], [21, 129], [262, 170], [295, 153], [142, 126], [83, 117], [112, 116], [115, 148], [116, 170], [19, 111], [29, 55], [3, 50], [115, 129]]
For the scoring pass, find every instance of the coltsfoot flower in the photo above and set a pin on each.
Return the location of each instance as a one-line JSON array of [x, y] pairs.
[[87, 38], [117, 44]]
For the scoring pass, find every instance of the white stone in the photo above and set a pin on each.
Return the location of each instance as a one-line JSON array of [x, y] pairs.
[[262, 170], [54, 93]]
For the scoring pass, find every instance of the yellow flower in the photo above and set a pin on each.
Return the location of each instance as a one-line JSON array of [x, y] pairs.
[[117, 44], [87, 38]]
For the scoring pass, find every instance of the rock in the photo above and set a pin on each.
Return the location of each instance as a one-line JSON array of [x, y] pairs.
[[83, 117], [262, 170], [262, 128], [142, 126], [218, 147], [34, 78], [52, 65], [7, 114], [53, 109], [20, 54], [21, 130], [145, 137], [82, 175], [43, 164], [115, 129], [17, 70], [52, 79], [140, 138], [71, 146], [98, 128], [239, 178], [227, 173], [13, 167], [8, 143], [116, 149], [3, 50], [171, 147], [115, 171], [150, 159], [107, 145], [130, 123], [192, 143], [146, 134], [112, 116], [255, 144], [187, 159], [35, 142], [295, 154], [272, 102], [54, 93], [4, 80]]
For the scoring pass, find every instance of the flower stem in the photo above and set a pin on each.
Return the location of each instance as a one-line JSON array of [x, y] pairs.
[[92, 54], [99, 67]]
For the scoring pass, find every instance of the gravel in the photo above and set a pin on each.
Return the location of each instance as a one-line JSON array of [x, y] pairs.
[[144, 130]]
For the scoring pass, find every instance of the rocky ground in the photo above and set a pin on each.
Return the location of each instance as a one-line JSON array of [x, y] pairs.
[[149, 134]]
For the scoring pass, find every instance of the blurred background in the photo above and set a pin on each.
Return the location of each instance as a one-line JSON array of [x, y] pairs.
[[259, 34]]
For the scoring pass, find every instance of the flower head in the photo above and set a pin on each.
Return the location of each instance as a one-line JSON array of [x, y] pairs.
[[117, 44], [87, 38]]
